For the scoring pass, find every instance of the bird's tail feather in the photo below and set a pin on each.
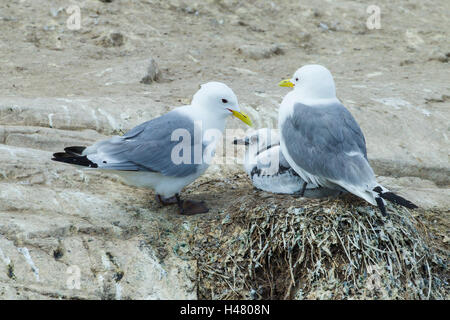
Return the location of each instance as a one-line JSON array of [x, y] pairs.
[[383, 193]]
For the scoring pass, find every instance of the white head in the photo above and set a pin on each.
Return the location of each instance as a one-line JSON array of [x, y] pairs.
[[218, 99], [312, 81]]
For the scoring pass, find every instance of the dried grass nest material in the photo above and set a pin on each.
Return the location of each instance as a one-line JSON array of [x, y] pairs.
[[316, 249]]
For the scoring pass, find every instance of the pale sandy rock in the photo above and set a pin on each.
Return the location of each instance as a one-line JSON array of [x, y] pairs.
[[46, 138], [258, 52], [102, 114]]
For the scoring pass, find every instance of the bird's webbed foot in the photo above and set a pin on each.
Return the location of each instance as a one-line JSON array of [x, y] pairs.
[[191, 207]]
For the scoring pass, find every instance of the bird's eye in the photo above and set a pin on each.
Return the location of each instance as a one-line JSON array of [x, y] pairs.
[[296, 79], [224, 100]]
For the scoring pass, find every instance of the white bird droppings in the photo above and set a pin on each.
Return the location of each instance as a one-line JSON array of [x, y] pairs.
[[24, 251]]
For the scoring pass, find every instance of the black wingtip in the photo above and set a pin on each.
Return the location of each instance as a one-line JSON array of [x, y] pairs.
[[59, 155], [392, 197], [74, 159], [381, 206], [75, 150]]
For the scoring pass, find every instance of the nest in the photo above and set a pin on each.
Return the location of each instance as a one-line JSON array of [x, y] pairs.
[[285, 248]]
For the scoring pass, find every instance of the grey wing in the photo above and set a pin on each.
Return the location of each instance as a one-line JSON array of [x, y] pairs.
[[326, 141], [149, 146]]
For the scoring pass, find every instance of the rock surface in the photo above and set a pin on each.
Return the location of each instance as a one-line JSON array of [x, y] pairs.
[[62, 87]]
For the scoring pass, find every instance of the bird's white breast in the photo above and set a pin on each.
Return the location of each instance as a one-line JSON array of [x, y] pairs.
[[163, 185], [286, 108]]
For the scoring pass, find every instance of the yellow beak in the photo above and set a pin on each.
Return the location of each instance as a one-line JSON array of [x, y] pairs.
[[286, 83], [242, 116]]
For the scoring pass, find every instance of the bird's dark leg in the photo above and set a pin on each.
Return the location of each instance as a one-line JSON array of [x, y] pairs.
[[179, 202], [302, 193], [165, 201], [191, 207]]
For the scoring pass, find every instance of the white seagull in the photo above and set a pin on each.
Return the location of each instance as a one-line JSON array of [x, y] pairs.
[[322, 141], [169, 152], [268, 169]]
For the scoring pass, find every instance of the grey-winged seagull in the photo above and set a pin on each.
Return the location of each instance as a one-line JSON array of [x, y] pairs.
[[169, 152], [322, 141], [268, 169]]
